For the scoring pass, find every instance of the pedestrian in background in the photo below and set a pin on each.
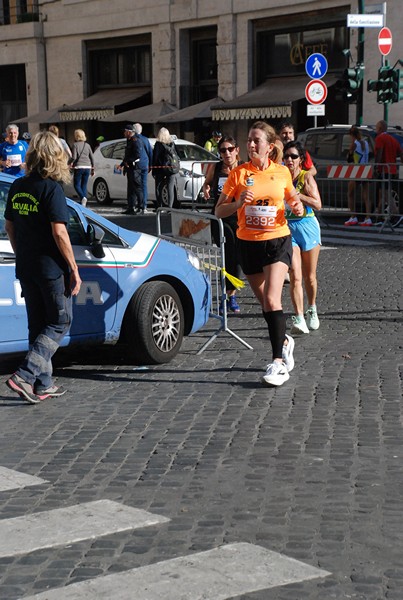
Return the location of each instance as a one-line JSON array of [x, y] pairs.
[[216, 176], [146, 157], [287, 134], [54, 129], [45, 263], [130, 168], [212, 144], [387, 152], [358, 153], [259, 188], [305, 233], [98, 141], [165, 167], [82, 164], [13, 153]]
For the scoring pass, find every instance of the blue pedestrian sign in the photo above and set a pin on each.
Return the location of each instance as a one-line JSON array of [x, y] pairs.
[[316, 66]]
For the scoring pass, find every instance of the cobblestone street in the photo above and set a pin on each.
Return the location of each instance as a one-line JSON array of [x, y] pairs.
[[312, 470]]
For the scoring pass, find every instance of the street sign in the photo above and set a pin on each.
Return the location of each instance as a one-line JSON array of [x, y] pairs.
[[385, 41], [364, 20], [316, 91], [374, 9], [313, 110], [316, 66]]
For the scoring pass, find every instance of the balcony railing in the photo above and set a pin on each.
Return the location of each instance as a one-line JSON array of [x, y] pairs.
[[18, 11]]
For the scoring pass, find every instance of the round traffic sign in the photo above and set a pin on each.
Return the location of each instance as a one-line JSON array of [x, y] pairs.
[[316, 91], [316, 66], [385, 41]]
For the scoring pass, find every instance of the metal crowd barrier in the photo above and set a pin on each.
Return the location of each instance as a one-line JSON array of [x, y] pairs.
[[196, 177], [385, 194], [192, 230]]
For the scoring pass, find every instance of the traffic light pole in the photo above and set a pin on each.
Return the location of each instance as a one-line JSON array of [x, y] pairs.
[[360, 63]]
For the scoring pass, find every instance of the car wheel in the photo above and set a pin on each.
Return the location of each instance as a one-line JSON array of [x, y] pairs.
[[101, 192], [154, 323]]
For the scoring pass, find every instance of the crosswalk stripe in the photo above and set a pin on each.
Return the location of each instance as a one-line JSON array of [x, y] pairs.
[[12, 480], [62, 526], [217, 574]]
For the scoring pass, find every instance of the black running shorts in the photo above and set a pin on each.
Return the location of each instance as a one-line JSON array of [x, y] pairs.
[[253, 256]]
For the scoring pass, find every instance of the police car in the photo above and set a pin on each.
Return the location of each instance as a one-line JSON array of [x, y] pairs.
[[137, 289]]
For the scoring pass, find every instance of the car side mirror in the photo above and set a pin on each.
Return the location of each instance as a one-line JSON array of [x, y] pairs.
[[95, 235]]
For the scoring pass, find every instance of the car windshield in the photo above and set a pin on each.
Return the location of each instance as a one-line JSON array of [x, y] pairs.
[[196, 153], [4, 187]]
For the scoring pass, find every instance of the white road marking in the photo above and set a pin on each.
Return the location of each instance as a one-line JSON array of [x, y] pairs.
[[216, 574], [12, 480], [62, 526]]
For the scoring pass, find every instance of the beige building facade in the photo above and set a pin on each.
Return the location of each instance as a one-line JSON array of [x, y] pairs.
[[94, 58]]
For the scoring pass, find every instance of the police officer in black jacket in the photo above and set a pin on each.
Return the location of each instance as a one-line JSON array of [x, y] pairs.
[[131, 169]]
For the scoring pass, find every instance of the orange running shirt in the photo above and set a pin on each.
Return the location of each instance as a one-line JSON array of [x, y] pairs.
[[264, 218]]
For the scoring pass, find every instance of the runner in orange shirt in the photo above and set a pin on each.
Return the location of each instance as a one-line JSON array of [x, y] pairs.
[[259, 188]]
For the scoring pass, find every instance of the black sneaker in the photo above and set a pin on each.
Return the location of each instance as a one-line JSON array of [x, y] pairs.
[[129, 211], [23, 389]]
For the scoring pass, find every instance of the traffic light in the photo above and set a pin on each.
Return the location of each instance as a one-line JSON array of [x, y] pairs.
[[350, 83], [385, 85], [397, 85], [372, 85]]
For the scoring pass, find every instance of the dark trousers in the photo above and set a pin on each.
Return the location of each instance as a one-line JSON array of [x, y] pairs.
[[134, 188], [81, 177], [49, 314], [144, 178], [165, 184]]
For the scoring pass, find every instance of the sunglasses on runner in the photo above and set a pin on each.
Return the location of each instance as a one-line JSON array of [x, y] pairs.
[[227, 149], [293, 156]]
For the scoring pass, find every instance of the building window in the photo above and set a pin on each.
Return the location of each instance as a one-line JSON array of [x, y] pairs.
[[198, 65], [126, 66], [13, 99], [18, 11], [283, 50]]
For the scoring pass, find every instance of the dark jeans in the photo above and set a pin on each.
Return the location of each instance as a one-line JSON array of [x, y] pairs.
[[134, 188], [144, 176], [49, 314], [81, 177]]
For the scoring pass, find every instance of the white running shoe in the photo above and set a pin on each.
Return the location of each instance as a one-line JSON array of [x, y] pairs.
[[312, 319], [299, 325], [351, 221], [288, 353], [276, 374]]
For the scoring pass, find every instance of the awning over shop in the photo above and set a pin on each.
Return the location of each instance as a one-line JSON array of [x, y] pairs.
[[202, 110], [46, 116], [151, 113], [102, 104], [271, 100]]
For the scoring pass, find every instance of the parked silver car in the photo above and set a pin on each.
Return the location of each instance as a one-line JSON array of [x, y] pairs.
[[109, 183]]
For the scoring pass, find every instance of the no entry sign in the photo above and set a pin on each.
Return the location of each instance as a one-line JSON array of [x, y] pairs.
[[385, 41]]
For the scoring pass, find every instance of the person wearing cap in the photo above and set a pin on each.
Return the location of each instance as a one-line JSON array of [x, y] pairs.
[[130, 167], [98, 141], [212, 144], [12, 157]]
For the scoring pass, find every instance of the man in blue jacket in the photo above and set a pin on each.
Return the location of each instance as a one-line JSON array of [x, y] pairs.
[[146, 155]]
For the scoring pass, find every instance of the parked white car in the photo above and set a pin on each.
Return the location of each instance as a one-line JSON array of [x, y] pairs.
[[109, 183]]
